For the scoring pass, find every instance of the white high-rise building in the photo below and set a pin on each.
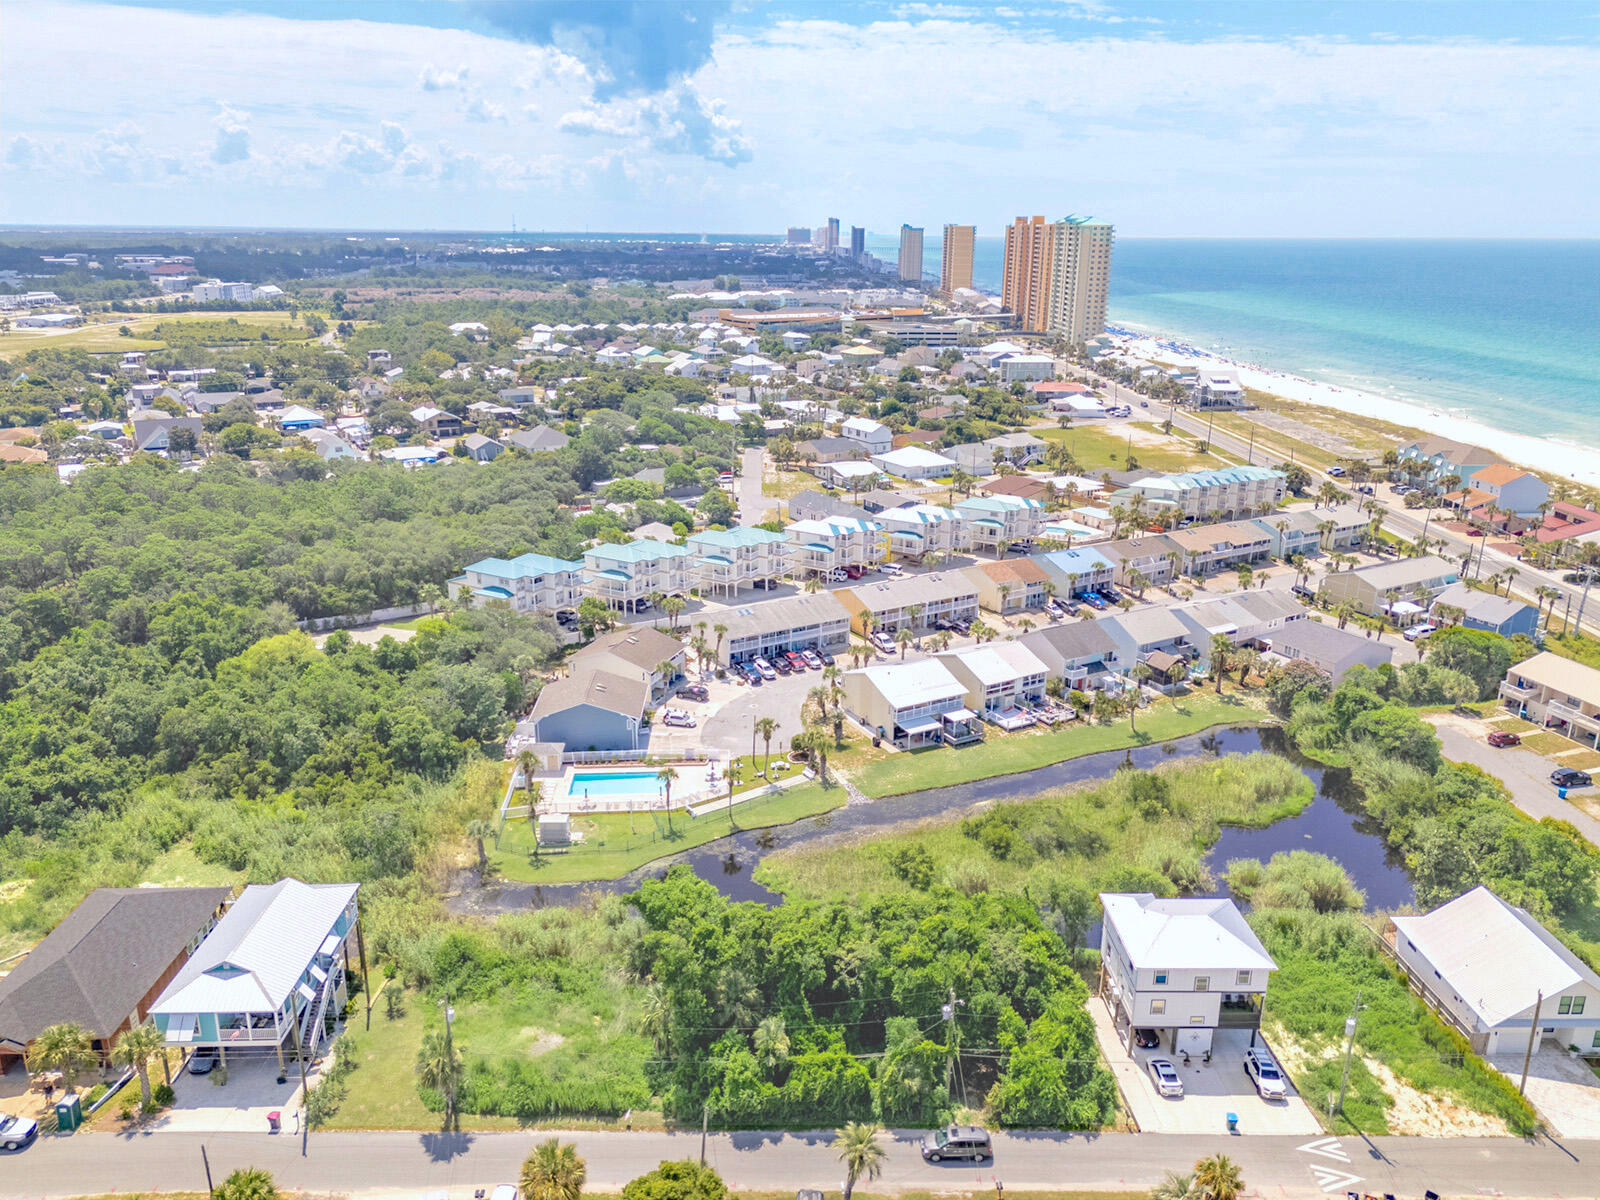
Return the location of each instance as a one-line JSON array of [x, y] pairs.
[[910, 254]]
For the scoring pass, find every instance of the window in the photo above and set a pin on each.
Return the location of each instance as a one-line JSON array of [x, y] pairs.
[[1161, 977], [1202, 983], [1577, 1004], [1566, 1005], [1157, 1007], [1596, 1042], [1242, 979], [1197, 1019]]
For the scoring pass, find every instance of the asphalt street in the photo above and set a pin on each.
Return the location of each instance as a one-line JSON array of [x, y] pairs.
[[458, 1164]]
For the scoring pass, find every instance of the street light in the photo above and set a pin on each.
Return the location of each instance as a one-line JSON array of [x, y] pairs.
[[1349, 1049]]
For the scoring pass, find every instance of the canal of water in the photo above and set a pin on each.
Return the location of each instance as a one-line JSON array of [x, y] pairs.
[[1332, 824]]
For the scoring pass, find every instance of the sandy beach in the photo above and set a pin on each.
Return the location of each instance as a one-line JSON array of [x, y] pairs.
[[1579, 463]]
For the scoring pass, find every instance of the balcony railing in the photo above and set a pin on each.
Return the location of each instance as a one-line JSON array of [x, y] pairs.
[[1512, 692], [1575, 716]]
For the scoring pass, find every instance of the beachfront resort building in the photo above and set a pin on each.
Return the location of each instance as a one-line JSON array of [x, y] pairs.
[[1057, 274], [1557, 693], [726, 560], [991, 520], [626, 576], [998, 676], [915, 530], [1223, 493], [829, 547], [1431, 459], [913, 602]]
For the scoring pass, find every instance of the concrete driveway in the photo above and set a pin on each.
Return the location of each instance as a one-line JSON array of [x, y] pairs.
[[728, 725], [1210, 1090], [754, 507], [1525, 774], [203, 1105], [1564, 1090]]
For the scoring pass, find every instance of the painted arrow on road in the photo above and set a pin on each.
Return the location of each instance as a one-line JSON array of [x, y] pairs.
[[1331, 1179], [1327, 1147]]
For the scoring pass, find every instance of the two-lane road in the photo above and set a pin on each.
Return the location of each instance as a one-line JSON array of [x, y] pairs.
[[417, 1163]]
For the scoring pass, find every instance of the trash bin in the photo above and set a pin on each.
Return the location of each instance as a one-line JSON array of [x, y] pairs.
[[69, 1113], [1233, 1122], [1561, 792], [274, 1121]]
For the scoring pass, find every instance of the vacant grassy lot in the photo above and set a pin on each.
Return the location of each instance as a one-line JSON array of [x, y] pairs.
[[1009, 753], [179, 867], [103, 337], [616, 843], [1098, 449], [1138, 831]]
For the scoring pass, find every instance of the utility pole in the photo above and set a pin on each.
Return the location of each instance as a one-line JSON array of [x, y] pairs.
[[449, 1058], [210, 1187], [705, 1118], [1533, 1037], [948, 1011], [1250, 455], [1349, 1049]]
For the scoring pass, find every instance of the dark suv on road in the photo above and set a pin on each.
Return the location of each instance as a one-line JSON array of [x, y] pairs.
[[1569, 778], [957, 1141]]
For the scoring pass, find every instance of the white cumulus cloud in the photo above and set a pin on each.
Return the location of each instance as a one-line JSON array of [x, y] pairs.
[[678, 121]]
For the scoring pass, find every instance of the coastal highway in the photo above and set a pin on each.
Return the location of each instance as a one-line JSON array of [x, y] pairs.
[[1408, 523], [414, 1164]]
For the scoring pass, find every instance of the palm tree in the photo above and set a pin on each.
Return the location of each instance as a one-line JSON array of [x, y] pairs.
[[903, 637], [673, 606], [1218, 1178], [666, 777], [477, 830], [814, 584], [67, 1048], [1221, 649], [771, 1042], [1175, 1186], [527, 760], [248, 1183], [439, 1067], [553, 1172], [721, 631], [655, 1016], [814, 741], [135, 1048], [859, 1151], [766, 727]]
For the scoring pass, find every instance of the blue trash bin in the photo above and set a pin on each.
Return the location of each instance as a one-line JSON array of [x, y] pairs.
[[1233, 1122]]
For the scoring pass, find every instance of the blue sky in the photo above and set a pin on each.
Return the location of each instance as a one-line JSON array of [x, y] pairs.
[[1171, 119]]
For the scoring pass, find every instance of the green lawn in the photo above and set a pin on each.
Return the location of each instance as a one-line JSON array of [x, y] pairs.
[[1577, 647], [615, 843], [1007, 754], [102, 338], [1098, 449]]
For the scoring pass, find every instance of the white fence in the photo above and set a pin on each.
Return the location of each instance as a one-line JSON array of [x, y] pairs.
[[578, 757], [351, 620]]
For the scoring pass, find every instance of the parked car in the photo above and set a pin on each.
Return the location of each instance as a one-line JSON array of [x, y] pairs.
[[780, 664], [677, 716], [893, 570], [1417, 632], [827, 659], [765, 668], [1503, 737], [725, 477], [567, 618], [961, 627], [694, 691], [17, 1132], [1569, 778], [1165, 1076], [841, 574], [852, 572], [813, 659], [1264, 1073], [957, 1141], [1336, 471], [796, 662], [203, 1059], [1073, 608], [764, 584], [1303, 591], [751, 672], [1146, 1039], [1474, 532]]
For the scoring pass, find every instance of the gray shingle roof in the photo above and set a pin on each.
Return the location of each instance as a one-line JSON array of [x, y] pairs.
[[96, 966]]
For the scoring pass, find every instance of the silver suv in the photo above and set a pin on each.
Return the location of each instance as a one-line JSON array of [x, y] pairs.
[[957, 1141], [1264, 1073]]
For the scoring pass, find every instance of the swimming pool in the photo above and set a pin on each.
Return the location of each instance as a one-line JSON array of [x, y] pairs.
[[613, 783]]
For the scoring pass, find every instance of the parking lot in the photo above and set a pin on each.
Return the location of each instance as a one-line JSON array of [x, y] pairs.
[[1210, 1090]]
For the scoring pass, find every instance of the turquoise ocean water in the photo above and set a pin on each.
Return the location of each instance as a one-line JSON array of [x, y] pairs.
[[1504, 332]]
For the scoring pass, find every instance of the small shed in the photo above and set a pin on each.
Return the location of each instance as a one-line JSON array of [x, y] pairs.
[[555, 829]]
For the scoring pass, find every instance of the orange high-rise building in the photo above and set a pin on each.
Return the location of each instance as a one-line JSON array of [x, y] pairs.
[[955, 269], [1057, 275]]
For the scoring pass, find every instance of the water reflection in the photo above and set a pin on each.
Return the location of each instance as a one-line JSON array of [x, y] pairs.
[[1331, 825]]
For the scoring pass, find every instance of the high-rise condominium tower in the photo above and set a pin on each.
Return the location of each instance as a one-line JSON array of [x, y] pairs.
[[956, 267], [1057, 274], [830, 235], [910, 254], [858, 241]]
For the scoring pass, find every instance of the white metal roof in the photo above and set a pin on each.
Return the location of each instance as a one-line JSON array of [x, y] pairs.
[[998, 663], [906, 685], [255, 955], [1183, 935], [1495, 956]]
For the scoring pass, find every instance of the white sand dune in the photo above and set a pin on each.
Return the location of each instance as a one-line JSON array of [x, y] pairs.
[[1579, 463]]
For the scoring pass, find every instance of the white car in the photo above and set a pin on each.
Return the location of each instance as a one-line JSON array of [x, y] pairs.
[[1165, 1076], [677, 716], [893, 570], [1265, 1075], [17, 1132], [765, 668], [1335, 471], [1417, 632]]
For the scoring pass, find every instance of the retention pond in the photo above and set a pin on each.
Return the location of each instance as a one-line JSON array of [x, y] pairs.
[[1333, 824]]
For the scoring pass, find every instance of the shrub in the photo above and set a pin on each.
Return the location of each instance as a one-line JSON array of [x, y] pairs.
[[162, 1094]]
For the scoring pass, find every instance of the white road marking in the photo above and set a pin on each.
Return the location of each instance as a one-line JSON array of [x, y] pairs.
[[1331, 1179], [1327, 1147]]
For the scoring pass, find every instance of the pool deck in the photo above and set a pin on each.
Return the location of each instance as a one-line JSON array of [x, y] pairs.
[[696, 782]]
